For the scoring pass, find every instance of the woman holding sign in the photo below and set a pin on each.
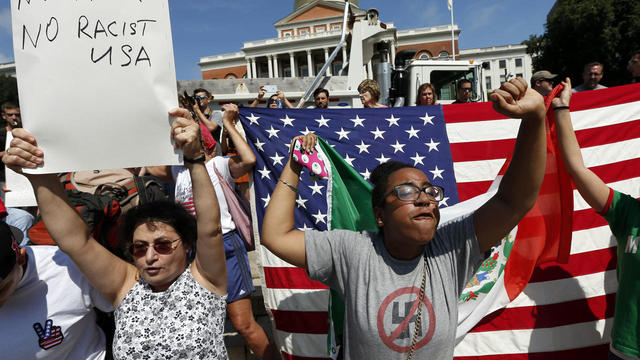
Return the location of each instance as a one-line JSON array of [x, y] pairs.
[[401, 284], [165, 307]]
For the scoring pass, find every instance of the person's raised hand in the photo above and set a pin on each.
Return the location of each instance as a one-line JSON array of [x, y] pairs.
[[230, 114], [516, 100], [564, 97], [309, 142], [23, 151], [185, 132], [280, 94], [261, 92]]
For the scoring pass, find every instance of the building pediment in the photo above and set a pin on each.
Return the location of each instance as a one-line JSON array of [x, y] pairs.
[[315, 10]]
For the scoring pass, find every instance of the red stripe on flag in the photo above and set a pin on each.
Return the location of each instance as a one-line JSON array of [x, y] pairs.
[[586, 263], [592, 352], [306, 322], [290, 278], [460, 113], [612, 96], [608, 134], [482, 150], [549, 316], [471, 189]]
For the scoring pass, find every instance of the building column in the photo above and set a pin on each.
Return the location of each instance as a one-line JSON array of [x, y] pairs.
[[393, 55], [310, 63], [275, 66], [326, 58], [292, 64], [344, 58], [270, 65], [249, 76], [253, 68], [369, 70]]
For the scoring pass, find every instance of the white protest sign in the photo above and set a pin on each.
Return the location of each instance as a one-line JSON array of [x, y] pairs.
[[20, 192], [96, 79]]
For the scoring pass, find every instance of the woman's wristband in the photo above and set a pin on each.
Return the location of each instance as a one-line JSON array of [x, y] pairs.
[[557, 108], [199, 159], [293, 188]]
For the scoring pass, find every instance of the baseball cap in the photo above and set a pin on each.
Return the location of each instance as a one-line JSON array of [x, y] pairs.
[[543, 75], [9, 237]]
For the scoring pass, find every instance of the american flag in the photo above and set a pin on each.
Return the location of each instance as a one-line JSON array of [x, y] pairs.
[[565, 311]]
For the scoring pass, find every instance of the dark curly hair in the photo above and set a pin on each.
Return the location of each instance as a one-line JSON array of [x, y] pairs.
[[166, 212], [380, 179]]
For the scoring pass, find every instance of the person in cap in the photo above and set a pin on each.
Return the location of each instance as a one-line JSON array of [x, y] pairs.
[[542, 82], [46, 304]]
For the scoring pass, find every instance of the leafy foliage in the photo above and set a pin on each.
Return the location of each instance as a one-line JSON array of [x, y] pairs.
[[578, 32]]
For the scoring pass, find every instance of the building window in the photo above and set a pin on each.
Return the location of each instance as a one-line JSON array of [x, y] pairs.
[[336, 27], [337, 66], [519, 62], [287, 33], [503, 78], [503, 64], [321, 28], [519, 75], [487, 82], [303, 32], [443, 55], [304, 70]]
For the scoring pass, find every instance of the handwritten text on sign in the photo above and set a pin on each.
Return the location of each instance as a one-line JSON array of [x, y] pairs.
[[106, 68]]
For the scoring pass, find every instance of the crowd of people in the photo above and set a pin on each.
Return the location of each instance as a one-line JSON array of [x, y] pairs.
[[183, 266]]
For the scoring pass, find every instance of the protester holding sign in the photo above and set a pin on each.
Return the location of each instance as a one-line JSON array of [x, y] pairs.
[[165, 308], [411, 257]]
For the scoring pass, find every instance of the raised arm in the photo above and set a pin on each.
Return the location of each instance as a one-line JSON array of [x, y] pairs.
[[278, 232], [256, 101], [594, 191], [209, 267], [110, 275], [284, 100], [244, 159], [521, 183]]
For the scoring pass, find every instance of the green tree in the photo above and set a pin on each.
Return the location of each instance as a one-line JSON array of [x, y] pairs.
[[578, 32]]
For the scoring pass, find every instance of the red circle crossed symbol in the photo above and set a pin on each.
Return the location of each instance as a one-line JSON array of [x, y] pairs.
[[389, 339]]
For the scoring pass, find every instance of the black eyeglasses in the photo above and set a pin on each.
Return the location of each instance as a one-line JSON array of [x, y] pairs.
[[410, 192], [465, 89], [139, 249]]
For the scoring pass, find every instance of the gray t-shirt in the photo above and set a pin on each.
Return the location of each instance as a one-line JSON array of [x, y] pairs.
[[380, 291]]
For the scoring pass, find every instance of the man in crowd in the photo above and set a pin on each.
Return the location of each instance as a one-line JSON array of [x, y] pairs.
[[591, 77], [321, 98], [634, 66], [18, 217], [46, 305], [202, 110], [275, 101], [464, 92], [542, 82]]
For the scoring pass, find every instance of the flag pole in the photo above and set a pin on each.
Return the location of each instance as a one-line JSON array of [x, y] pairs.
[[453, 46]]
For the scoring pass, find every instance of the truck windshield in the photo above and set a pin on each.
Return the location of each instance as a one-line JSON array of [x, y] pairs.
[[445, 82]]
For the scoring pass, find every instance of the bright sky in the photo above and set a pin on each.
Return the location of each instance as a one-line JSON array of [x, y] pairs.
[[209, 27]]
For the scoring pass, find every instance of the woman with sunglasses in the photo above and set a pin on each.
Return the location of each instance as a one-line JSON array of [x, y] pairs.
[[165, 307], [401, 285]]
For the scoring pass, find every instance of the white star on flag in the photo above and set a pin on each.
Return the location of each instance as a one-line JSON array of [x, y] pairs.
[[349, 159], [253, 119], [432, 145], [305, 227], [366, 174], [427, 119], [382, 159], [437, 173], [266, 200], [265, 173], [358, 121], [393, 120], [272, 132], [301, 202], [258, 145], [322, 121], [398, 147], [287, 120], [444, 201], [378, 133], [363, 147], [417, 159], [413, 132], [319, 217], [306, 131], [316, 188], [343, 134], [277, 159]]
